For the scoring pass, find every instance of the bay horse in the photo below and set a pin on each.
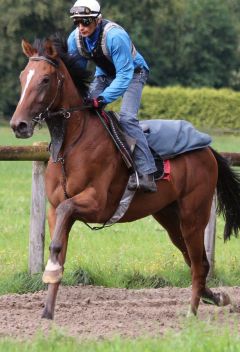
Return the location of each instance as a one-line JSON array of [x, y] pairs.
[[87, 181]]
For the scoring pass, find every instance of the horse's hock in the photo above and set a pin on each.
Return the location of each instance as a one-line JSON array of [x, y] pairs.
[[39, 155]]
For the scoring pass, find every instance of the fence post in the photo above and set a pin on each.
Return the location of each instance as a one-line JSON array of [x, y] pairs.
[[209, 237], [38, 216]]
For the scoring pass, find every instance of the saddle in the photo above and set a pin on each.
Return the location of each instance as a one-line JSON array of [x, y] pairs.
[[126, 144]]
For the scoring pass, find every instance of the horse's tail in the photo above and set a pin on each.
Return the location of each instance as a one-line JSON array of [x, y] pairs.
[[228, 193]]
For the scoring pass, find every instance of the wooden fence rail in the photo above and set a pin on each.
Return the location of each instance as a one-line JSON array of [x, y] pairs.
[[233, 158], [38, 153]]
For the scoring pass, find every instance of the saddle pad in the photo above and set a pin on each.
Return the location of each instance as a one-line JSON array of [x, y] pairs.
[[169, 138]]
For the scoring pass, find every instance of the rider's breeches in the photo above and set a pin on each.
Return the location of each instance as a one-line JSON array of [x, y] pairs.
[[128, 117]]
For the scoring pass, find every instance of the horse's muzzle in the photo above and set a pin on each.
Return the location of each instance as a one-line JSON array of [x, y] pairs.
[[22, 129]]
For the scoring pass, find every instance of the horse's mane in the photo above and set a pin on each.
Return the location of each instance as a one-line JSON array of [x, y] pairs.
[[80, 77]]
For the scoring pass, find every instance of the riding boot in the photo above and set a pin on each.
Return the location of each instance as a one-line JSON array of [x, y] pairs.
[[146, 183]]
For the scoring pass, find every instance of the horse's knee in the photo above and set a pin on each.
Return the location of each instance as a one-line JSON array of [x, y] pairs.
[[65, 208]]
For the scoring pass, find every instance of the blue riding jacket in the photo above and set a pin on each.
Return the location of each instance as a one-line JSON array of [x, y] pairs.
[[119, 52]]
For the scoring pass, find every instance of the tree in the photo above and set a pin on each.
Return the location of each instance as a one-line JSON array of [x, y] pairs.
[[209, 48], [28, 19], [188, 42], [185, 42]]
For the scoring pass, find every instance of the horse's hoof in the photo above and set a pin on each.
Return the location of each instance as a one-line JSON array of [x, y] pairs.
[[219, 299], [234, 308], [47, 315], [224, 299], [52, 277], [191, 313], [207, 301]]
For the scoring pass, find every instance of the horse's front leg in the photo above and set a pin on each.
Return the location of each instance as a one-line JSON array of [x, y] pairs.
[[84, 205], [59, 226], [58, 247]]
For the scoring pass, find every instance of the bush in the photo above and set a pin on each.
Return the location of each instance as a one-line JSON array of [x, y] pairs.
[[204, 107]]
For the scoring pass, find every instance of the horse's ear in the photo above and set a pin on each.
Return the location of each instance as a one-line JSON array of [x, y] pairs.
[[28, 49], [50, 49]]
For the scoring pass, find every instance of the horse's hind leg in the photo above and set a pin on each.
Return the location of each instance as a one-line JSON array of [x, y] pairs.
[[193, 227], [169, 219], [216, 298], [194, 212]]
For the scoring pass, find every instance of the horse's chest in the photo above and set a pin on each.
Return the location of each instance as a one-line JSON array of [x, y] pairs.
[[60, 184]]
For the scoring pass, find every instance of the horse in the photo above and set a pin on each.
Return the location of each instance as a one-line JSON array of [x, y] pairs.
[[89, 176]]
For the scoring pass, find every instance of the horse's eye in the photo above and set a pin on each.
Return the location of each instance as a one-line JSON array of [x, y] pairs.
[[45, 80]]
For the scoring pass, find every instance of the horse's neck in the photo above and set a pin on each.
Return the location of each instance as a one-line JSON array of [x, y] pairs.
[[85, 131], [71, 98], [70, 94], [80, 123], [85, 128]]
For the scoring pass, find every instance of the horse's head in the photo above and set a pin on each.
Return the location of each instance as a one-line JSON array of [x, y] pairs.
[[40, 87]]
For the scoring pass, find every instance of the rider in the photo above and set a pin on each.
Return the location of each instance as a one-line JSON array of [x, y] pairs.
[[120, 71]]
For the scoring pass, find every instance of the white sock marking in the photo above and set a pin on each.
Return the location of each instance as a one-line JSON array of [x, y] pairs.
[[51, 266]]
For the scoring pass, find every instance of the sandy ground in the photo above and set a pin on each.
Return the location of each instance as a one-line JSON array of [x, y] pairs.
[[90, 312]]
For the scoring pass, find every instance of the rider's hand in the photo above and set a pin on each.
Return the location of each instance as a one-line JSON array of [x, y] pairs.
[[96, 103]]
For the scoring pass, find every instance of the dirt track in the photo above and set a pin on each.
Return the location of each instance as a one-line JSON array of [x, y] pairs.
[[96, 312]]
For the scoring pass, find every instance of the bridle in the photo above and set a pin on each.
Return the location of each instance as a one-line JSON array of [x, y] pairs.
[[47, 113], [60, 79]]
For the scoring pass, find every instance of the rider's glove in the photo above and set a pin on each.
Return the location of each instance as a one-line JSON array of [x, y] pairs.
[[96, 103]]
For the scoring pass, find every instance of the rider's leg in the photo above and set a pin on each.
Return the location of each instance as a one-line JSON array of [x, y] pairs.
[[128, 118]]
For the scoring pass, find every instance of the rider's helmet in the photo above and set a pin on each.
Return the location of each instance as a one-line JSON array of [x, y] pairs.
[[85, 8]]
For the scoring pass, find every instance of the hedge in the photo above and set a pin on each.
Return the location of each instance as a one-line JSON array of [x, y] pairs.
[[204, 107]]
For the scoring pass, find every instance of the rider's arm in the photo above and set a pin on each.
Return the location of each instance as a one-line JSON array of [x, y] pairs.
[[79, 61], [119, 49]]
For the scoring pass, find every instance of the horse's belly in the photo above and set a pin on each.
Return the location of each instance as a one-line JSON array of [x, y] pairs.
[[144, 204]]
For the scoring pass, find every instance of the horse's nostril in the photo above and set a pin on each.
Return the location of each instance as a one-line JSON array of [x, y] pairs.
[[22, 127]]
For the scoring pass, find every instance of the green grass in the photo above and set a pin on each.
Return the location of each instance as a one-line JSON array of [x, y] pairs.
[[130, 255], [194, 336], [226, 143]]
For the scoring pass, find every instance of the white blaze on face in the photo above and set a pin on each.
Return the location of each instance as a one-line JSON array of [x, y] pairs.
[[29, 77]]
